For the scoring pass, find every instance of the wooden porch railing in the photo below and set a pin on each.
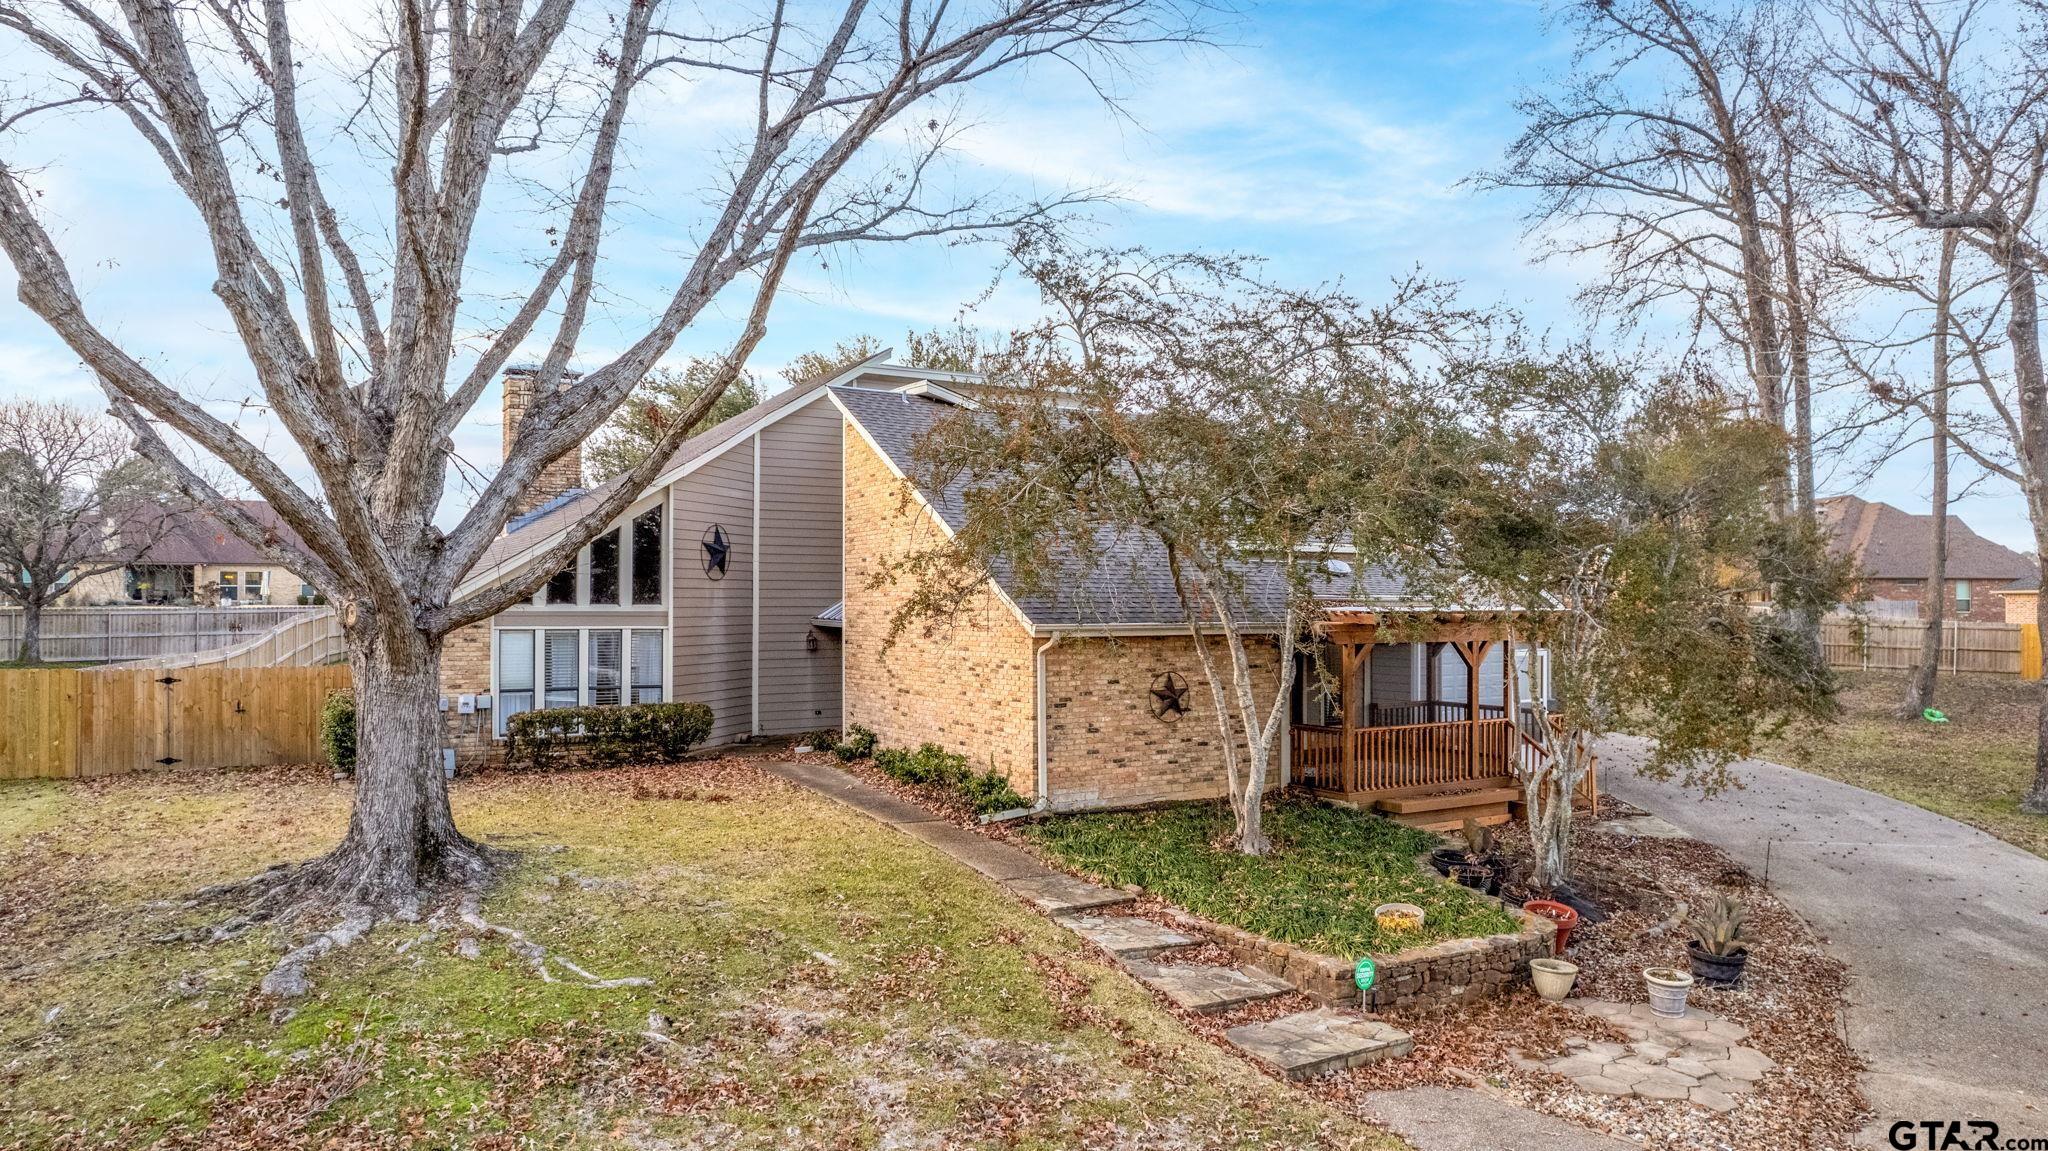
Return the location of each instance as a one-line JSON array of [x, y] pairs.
[[1418, 755]]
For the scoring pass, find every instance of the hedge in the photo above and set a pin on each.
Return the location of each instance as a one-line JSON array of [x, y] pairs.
[[605, 736], [338, 729], [933, 766]]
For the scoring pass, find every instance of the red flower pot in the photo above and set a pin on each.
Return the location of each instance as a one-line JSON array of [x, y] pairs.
[[1557, 913]]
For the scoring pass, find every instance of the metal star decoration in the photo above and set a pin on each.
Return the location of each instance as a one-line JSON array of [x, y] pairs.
[[1169, 696], [717, 550]]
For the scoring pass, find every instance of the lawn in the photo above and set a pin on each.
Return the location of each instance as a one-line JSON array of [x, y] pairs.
[[826, 982], [1973, 768], [1328, 870]]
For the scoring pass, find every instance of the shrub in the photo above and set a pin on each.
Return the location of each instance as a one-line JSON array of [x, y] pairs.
[[933, 766], [858, 744], [606, 736], [338, 729]]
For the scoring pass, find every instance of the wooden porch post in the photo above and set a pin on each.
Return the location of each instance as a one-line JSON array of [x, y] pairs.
[[1473, 653], [1347, 705]]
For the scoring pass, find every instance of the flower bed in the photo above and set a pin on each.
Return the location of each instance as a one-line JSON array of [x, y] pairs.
[[1316, 890]]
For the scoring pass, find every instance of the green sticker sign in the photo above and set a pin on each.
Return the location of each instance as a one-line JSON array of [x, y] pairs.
[[1364, 973]]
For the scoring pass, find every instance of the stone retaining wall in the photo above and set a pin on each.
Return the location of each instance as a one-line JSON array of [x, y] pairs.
[[1453, 971]]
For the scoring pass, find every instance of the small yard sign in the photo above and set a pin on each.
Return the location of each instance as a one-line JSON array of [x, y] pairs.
[[1363, 973]]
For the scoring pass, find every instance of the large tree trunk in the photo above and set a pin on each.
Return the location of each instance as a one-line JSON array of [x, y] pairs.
[[31, 650], [1920, 685], [401, 837], [2023, 329]]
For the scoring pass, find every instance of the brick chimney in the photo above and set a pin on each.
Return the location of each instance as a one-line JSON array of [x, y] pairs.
[[565, 472]]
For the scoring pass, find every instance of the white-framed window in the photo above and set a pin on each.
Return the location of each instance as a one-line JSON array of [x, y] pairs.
[[1962, 597], [575, 667], [625, 567]]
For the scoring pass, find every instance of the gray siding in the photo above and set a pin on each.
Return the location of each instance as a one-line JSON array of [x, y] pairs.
[[712, 643], [801, 531], [1392, 673]]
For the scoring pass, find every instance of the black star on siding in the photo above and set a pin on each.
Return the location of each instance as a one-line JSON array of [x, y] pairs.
[[716, 551]]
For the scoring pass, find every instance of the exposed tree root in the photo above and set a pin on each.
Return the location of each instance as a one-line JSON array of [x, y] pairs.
[[534, 954], [288, 979]]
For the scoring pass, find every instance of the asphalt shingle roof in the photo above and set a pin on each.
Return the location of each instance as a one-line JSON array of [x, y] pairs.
[[1890, 543], [1127, 584]]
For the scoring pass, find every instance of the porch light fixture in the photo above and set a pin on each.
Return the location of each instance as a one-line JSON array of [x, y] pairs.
[[811, 640]]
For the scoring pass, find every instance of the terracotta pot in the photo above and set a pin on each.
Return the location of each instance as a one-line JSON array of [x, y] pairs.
[[1561, 914], [1668, 988], [1553, 977]]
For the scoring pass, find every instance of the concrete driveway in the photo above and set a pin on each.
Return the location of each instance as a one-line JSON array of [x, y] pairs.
[[1944, 928]]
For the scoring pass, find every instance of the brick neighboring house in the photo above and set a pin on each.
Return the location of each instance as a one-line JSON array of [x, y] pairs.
[[751, 576], [1892, 549], [196, 559], [2022, 600]]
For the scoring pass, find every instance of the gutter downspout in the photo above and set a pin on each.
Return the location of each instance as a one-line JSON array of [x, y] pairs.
[[1044, 797], [1043, 800]]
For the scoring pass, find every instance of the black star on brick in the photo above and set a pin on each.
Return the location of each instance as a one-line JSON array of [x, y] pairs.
[[716, 551], [1169, 695]]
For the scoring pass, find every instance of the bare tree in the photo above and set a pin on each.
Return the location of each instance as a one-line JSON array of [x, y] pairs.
[[1919, 84], [75, 502], [1671, 151], [356, 330]]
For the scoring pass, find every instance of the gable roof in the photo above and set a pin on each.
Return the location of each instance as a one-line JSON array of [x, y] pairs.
[[1889, 543], [1128, 584], [2030, 582], [195, 536], [533, 532]]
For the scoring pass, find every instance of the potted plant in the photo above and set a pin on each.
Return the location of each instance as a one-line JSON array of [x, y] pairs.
[[1478, 866], [1563, 914], [1668, 988], [1553, 977], [1720, 943]]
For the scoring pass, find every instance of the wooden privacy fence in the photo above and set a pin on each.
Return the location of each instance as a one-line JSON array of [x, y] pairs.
[[1894, 645], [65, 723], [102, 634]]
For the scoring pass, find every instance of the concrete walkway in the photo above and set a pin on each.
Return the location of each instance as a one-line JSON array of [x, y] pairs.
[[1944, 929]]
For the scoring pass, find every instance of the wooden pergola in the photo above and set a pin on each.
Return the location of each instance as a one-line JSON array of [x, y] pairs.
[[1433, 773]]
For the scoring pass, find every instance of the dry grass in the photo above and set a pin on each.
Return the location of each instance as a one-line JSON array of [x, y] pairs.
[[1973, 768], [825, 983]]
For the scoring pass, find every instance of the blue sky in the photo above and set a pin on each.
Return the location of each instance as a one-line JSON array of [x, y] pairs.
[[1330, 139]]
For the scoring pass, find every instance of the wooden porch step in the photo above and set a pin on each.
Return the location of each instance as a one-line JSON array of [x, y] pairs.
[[1436, 801]]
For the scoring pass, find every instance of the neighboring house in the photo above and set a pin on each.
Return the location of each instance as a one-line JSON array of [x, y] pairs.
[[749, 576], [2022, 599], [196, 559], [1892, 549]]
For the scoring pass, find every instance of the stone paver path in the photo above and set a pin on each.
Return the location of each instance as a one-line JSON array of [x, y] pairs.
[[1127, 936], [1057, 894], [1298, 1046], [1311, 1043], [1698, 1057], [1204, 989]]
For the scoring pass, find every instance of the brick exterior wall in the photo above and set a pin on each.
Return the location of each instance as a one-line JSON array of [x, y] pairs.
[[466, 668], [966, 684], [1107, 749], [1986, 605], [2022, 606]]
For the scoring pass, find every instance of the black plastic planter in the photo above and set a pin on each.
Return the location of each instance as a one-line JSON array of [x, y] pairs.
[[1717, 970], [1477, 876], [1445, 858]]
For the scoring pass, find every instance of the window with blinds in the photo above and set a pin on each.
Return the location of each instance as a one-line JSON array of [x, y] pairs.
[[563, 681], [648, 650], [515, 675], [575, 667], [606, 665]]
